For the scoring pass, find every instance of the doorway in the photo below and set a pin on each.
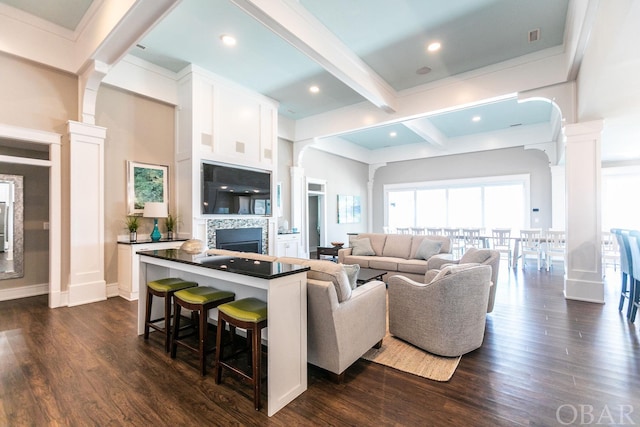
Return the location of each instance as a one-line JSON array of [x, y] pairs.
[[316, 214]]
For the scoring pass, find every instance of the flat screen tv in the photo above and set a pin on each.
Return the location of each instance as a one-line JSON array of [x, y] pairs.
[[233, 190]]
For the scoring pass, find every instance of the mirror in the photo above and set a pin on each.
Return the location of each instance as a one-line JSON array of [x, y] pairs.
[[11, 226]]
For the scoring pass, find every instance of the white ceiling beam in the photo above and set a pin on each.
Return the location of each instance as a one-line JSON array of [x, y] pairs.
[[426, 130], [301, 29]]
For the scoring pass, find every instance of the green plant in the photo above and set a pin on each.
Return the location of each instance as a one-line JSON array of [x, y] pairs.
[[132, 223], [171, 222]]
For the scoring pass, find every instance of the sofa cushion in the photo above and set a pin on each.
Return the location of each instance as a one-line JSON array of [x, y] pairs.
[[362, 247], [331, 272], [397, 245], [362, 261], [428, 248], [384, 263], [415, 266], [352, 271], [475, 255]]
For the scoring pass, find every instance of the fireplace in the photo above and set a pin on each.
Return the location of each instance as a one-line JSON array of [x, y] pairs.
[[240, 239]]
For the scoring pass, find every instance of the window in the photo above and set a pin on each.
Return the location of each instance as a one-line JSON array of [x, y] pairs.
[[488, 202], [618, 209]]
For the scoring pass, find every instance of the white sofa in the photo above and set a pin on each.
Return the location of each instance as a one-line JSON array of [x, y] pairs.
[[395, 254], [343, 321]]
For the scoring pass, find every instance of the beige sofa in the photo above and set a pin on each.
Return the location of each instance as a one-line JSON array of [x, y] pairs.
[[395, 254], [343, 321]]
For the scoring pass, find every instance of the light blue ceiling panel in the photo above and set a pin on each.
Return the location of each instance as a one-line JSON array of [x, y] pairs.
[[380, 137]]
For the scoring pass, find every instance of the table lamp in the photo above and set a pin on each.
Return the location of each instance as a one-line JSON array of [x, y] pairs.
[[155, 210]]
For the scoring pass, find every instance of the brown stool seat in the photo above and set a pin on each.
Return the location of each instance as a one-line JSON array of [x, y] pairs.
[[163, 288], [199, 300], [249, 314]]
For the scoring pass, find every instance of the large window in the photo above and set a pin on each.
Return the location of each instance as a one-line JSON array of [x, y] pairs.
[[489, 202], [619, 208]]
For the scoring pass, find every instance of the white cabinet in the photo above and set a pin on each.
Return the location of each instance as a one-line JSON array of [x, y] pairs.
[[129, 262], [288, 245]]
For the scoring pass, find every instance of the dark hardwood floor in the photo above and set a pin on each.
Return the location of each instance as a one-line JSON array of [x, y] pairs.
[[545, 361]]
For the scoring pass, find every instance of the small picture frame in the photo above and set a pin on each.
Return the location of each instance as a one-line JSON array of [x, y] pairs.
[[146, 183]]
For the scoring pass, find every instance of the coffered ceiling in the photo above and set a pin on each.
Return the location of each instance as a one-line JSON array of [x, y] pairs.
[[380, 46]]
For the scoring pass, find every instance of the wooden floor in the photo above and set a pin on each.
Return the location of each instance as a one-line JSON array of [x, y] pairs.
[[545, 362]]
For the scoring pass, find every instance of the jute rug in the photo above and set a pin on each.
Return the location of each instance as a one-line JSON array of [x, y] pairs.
[[400, 355]]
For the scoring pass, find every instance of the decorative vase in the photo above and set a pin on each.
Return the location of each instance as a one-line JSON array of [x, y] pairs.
[[170, 234], [133, 236]]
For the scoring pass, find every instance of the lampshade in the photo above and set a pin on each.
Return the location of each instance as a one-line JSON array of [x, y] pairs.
[[155, 210]]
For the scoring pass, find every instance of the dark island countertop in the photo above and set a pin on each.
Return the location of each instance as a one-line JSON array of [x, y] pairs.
[[248, 267]]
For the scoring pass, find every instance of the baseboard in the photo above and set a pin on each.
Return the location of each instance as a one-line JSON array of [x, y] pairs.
[[24, 291], [112, 290], [85, 293]]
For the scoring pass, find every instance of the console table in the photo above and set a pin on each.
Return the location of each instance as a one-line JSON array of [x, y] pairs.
[[282, 286]]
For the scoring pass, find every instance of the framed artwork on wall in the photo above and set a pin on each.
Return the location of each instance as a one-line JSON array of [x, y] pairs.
[[146, 183], [348, 209]]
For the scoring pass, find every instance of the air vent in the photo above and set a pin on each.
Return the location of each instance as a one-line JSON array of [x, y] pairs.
[[534, 35], [139, 46], [516, 124]]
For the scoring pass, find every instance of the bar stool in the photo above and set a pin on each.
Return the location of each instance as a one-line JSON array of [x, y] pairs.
[[249, 314], [163, 288], [199, 300]]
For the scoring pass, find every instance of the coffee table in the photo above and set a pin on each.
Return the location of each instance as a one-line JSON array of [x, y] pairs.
[[368, 274]]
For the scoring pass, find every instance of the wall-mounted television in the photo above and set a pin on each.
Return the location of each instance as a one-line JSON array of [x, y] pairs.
[[233, 190]]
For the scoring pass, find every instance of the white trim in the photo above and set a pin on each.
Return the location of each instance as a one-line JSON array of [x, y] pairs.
[[24, 291]]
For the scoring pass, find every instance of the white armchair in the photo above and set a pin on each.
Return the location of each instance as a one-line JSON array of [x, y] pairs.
[[446, 316]]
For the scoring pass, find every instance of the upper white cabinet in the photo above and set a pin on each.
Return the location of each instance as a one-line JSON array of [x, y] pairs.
[[222, 122]]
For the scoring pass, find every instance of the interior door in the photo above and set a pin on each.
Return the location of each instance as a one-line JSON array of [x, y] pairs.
[[314, 223]]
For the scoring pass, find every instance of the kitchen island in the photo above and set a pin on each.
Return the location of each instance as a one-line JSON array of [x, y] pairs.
[[282, 286]]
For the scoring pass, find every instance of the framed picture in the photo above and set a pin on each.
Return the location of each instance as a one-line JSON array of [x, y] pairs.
[[348, 209], [146, 183]]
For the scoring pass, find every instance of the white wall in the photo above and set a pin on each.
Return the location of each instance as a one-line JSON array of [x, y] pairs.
[[344, 177], [509, 161], [608, 83]]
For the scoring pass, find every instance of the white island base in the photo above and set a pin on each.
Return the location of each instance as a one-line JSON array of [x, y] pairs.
[[286, 297]]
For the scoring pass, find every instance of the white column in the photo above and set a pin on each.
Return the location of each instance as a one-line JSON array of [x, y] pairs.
[[83, 251], [298, 202], [583, 280], [558, 198]]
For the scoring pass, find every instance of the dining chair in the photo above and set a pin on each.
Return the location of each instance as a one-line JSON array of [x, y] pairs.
[[501, 241], [417, 230], [634, 290], [457, 243], [434, 231], [610, 250], [554, 247], [403, 230], [530, 245], [626, 266], [472, 238]]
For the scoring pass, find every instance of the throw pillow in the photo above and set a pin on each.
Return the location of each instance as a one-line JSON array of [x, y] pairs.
[[362, 247], [428, 248], [352, 271], [475, 255]]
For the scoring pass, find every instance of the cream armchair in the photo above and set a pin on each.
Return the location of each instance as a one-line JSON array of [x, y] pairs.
[[340, 332], [481, 256], [446, 316]]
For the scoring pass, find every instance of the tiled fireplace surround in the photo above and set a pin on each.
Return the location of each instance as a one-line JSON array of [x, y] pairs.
[[230, 223]]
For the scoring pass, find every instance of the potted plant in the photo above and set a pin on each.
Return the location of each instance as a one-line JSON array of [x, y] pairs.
[[133, 222], [172, 225]]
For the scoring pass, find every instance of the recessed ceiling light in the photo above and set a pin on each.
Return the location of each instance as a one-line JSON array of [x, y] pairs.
[[393, 134], [433, 47], [476, 118], [228, 40], [423, 70], [314, 89]]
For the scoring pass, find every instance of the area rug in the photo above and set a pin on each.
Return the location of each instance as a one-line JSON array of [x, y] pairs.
[[400, 355]]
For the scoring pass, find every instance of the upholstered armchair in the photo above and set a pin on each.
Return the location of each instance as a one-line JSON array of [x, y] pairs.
[[480, 256], [343, 320], [446, 316]]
